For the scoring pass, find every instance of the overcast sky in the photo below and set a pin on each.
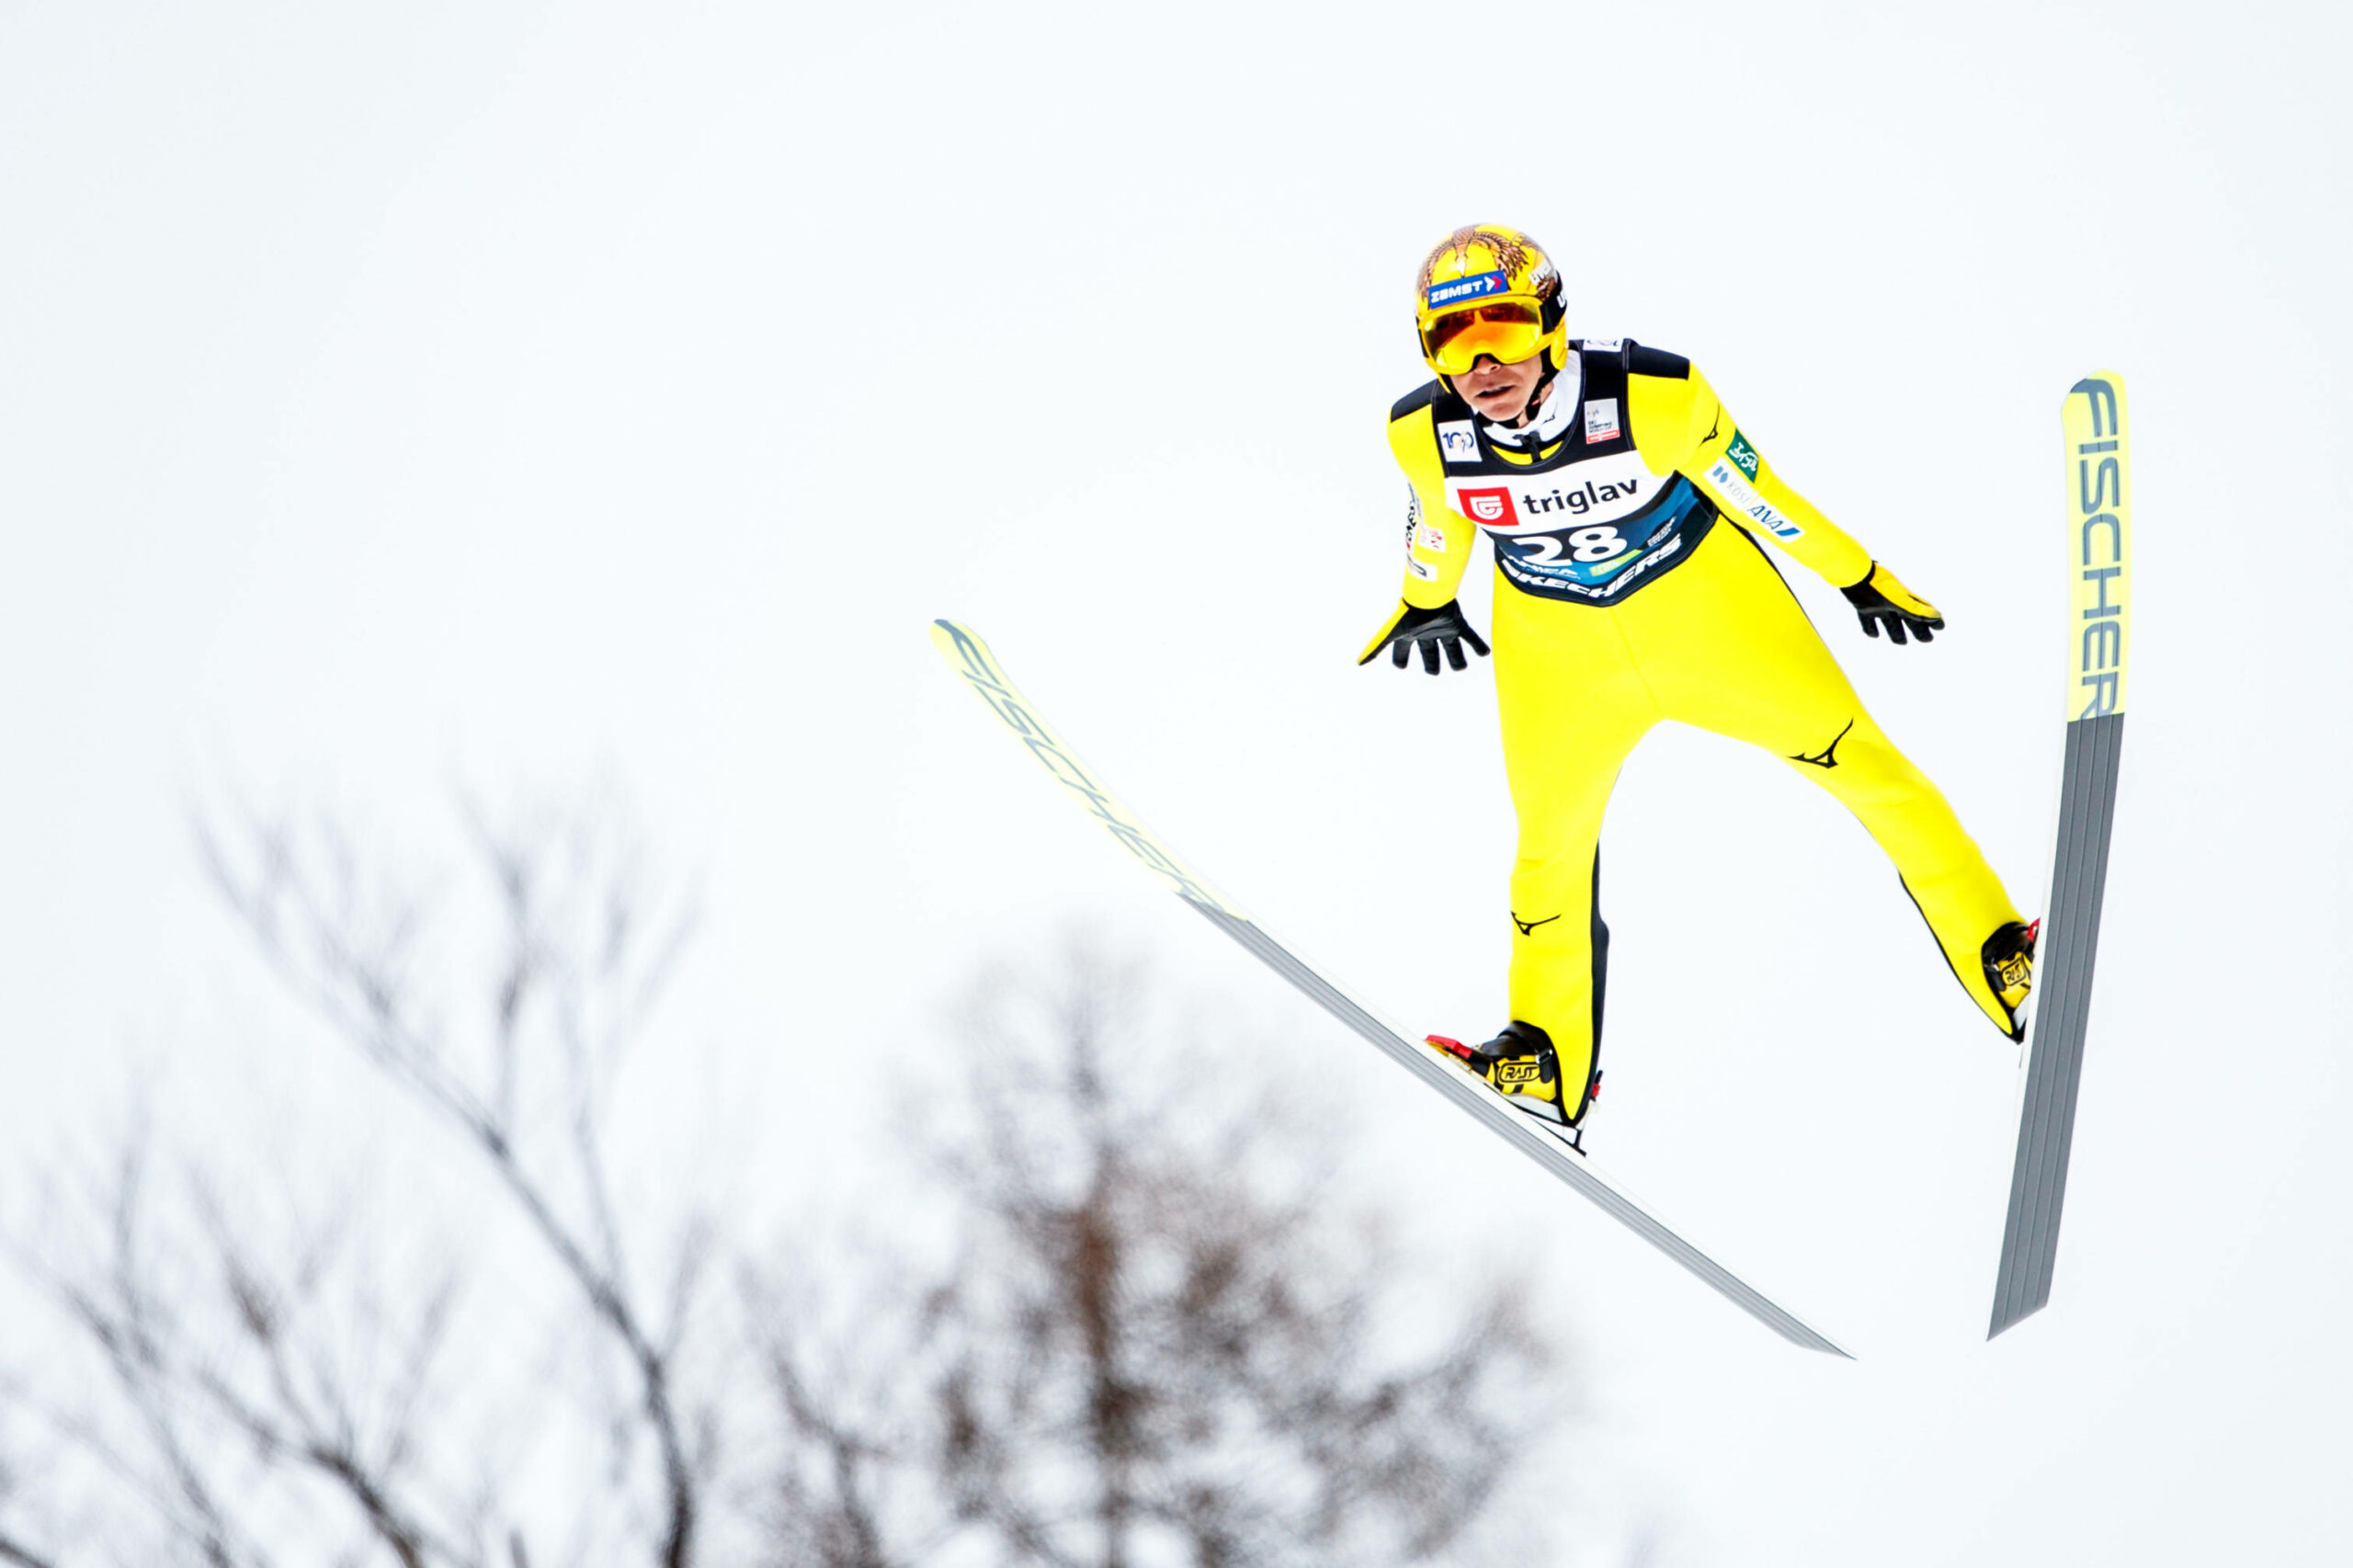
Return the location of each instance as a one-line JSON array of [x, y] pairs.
[[517, 395]]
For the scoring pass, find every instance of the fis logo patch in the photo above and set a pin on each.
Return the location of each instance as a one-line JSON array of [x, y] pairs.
[[1492, 507], [1478, 285], [1601, 419], [1457, 442], [1743, 455]]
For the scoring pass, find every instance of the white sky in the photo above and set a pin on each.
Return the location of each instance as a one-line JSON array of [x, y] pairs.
[[518, 394]]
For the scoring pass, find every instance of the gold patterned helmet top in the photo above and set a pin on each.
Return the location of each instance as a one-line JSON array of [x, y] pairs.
[[1488, 290]]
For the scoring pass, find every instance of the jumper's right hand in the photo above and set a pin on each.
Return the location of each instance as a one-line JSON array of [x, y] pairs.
[[1430, 630]]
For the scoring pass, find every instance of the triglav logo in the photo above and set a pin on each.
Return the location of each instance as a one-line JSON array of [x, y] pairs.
[[1580, 501], [1492, 507]]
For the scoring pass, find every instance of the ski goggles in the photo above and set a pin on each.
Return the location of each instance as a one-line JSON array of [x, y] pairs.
[[1509, 330]]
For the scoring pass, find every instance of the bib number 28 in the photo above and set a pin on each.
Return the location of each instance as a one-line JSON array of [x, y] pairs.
[[1584, 546]]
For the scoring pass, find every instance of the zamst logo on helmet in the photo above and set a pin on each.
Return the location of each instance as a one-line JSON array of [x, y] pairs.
[[1488, 290]]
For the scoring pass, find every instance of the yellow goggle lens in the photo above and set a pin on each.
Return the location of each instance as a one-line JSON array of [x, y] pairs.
[[1508, 331]]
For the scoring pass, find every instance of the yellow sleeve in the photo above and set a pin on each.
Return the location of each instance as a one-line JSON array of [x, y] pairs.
[[1437, 541], [1680, 425]]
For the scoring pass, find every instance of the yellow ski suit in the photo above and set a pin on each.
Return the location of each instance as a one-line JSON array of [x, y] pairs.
[[1631, 589]]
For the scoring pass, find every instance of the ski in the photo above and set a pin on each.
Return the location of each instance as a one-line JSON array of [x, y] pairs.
[[2099, 492], [971, 659]]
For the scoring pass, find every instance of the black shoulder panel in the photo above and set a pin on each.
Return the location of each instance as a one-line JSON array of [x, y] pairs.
[[1420, 397], [1658, 362]]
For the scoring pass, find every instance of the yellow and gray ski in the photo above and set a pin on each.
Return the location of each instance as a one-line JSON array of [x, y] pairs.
[[2099, 536], [971, 659]]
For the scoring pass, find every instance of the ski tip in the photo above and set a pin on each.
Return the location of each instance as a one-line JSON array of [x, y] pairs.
[[2098, 381], [962, 646]]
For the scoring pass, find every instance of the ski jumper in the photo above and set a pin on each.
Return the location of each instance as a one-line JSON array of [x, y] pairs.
[[1633, 588]]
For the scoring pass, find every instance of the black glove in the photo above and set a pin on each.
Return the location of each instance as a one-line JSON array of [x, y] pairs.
[[1430, 630], [1879, 600]]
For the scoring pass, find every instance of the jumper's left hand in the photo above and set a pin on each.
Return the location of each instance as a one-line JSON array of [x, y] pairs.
[[1880, 600]]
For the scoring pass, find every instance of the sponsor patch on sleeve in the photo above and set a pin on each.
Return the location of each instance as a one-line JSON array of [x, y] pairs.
[[1457, 441], [1742, 498], [1430, 539], [1601, 419], [1413, 532], [1743, 455]]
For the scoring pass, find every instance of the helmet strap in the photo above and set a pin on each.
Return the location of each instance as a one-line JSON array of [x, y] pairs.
[[1543, 390]]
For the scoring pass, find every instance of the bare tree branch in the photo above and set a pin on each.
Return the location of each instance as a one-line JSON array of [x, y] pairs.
[[223, 1356], [1161, 1333], [350, 959], [318, 1426], [22, 1556], [1155, 1335], [124, 1324]]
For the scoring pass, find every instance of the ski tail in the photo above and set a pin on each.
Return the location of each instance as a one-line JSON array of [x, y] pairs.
[[2100, 513]]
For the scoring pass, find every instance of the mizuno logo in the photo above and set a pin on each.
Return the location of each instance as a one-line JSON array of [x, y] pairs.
[[1528, 928], [1829, 756]]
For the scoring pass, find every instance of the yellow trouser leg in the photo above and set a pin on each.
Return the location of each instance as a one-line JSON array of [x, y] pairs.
[[1727, 648], [1572, 706]]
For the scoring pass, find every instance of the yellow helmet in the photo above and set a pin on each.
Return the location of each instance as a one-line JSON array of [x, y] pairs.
[[1488, 290]]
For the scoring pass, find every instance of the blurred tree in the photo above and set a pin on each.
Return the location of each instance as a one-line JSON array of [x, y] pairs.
[[1161, 1340], [1126, 1323], [270, 1395]]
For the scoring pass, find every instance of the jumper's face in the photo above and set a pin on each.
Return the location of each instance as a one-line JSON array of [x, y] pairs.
[[1500, 392]]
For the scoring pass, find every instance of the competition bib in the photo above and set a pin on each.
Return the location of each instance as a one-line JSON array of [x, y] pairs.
[[1586, 531]]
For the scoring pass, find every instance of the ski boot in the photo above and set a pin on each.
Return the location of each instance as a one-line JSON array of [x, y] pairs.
[[1521, 1064], [2008, 957]]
